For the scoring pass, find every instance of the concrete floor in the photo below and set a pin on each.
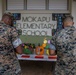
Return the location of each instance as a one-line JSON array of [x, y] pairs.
[[37, 67]]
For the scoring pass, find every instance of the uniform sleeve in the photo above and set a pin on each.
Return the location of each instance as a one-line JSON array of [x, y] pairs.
[[16, 41], [14, 34], [53, 42]]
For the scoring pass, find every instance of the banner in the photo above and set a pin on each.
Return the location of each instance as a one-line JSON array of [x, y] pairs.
[[36, 24]]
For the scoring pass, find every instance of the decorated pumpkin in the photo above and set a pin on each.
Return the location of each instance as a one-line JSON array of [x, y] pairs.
[[39, 50], [27, 51], [44, 45], [45, 41]]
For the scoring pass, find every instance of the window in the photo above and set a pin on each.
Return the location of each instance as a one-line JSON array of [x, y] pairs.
[[57, 4], [37, 4], [15, 4]]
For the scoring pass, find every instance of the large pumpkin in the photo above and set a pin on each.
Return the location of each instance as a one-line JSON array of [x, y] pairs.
[[39, 50]]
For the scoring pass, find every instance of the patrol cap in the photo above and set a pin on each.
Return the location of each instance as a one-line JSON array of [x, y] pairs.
[[9, 14]]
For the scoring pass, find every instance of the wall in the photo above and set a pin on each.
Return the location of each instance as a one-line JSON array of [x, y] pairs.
[[36, 39], [74, 12]]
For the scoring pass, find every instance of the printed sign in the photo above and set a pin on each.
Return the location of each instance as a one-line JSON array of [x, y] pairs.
[[36, 24]]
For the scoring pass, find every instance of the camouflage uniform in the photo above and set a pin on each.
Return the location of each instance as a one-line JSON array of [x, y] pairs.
[[65, 43], [9, 64]]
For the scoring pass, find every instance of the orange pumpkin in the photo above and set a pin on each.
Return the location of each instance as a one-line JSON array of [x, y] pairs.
[[39, 50], [44, 45]]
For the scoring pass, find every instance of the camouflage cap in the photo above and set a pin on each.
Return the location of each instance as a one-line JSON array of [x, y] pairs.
[[9, 14]]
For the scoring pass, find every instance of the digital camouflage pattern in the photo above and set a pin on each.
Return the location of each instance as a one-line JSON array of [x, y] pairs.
[[9, 64], [65, 42]]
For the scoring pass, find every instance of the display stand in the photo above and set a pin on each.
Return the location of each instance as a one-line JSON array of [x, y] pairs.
[[37, 57]]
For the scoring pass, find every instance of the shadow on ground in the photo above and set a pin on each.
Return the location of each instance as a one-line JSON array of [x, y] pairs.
[[37, 67]]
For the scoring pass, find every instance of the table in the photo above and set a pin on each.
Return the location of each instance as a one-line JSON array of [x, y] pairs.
[[37, 57]]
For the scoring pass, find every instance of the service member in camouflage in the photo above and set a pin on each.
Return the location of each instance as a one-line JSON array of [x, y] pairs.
[[65, 44], [9, 40]]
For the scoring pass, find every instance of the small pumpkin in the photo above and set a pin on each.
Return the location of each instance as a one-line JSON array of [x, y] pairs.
[[27, 51], [39, 50], [45, 41], [44, 45]]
